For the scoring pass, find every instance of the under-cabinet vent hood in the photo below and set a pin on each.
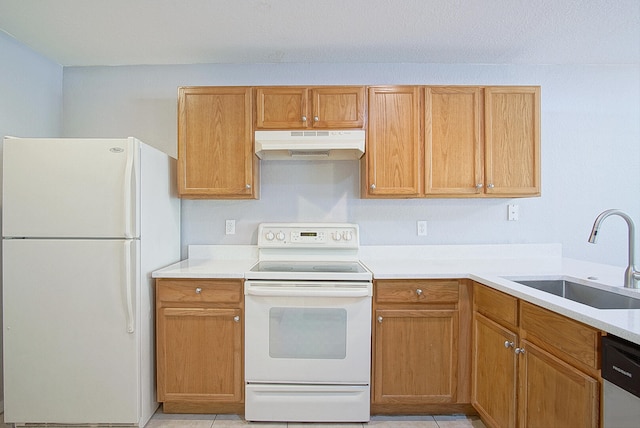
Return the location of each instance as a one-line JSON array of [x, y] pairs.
[[310, 145]]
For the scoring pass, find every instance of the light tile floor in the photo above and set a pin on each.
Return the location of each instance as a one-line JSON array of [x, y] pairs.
[[162, 420]]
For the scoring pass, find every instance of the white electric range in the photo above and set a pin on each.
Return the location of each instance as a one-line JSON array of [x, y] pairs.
[[308, 325]]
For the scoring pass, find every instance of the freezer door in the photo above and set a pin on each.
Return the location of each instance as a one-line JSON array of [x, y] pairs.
[[71, 336], [70, 187]]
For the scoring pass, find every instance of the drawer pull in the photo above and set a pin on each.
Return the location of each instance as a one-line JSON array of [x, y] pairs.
[[508, 344], [236, 318], [519, 351], [198, 290], [419, 292], [380, 319]]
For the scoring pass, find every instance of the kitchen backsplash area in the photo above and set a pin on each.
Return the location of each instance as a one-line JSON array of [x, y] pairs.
[[580, 128]]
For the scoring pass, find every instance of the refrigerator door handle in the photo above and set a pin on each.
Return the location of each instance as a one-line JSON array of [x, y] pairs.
[[128, 182], [128, 285]]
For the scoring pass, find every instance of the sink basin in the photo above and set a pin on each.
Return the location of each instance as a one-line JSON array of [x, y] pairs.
[[590, 296]]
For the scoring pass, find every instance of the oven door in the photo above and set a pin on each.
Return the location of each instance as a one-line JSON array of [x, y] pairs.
[[307, 332]]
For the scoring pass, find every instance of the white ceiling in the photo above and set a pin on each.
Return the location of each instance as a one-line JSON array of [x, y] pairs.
[[117, 32]]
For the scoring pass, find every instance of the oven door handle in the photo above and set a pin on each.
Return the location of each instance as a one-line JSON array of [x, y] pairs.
[[307, 292]]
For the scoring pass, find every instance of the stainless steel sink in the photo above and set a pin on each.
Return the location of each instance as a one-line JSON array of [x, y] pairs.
[[584, 294]]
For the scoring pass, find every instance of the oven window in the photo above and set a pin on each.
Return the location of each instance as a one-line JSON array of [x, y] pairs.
[[318, 333]]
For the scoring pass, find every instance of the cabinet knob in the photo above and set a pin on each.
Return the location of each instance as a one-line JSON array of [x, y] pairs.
[[304, 118], [316, 119], [198, 290], [419, 292], [236, 318], [380, 319], [372, 187], [248, 186], [479, 186], [490, 186], [519, 351], [508, 344]]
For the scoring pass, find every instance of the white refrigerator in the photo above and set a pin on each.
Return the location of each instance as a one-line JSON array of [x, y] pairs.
[[84, 223]]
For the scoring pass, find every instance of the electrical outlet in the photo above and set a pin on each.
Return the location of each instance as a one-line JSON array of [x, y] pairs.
[[422, 228], [513, 212], [230, 227]]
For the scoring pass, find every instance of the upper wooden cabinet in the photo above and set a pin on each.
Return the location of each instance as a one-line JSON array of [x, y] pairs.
[[512, 140], [482, 141], [453, 141], [422, 141], [294, 107], [215, 143], [393, 165], [478, 142]]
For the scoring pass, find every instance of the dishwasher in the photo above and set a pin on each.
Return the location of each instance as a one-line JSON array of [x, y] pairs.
[[621, 389]]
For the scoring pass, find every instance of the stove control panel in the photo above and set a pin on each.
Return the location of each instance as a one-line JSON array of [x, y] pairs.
[[320, 235]]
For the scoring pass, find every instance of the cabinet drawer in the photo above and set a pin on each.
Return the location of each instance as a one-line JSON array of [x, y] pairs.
[[206, 291], [416, 291], [571, 337], [496, 305]]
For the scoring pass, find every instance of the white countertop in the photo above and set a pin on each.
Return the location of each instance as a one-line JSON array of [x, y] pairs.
[[486, 264]]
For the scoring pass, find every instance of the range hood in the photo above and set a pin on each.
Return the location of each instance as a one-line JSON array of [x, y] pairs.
[[310, 145]]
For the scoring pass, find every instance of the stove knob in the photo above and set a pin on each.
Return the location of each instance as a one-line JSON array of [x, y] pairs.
[[347, 235], [280, 236], [269, 236], [337, 236]]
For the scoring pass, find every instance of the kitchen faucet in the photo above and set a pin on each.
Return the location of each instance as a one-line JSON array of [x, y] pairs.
[[631, 274]]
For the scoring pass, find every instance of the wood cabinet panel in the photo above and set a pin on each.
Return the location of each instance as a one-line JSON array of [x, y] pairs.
[[394, 156], [199, 345], [555, 394], [572, 338], [495, 373], [557, 380], [281, 107], [416, 291], [215, 143], [324, 107], [512, 140], [453, 140], [192, 363], [416, 356], [206, 291], [338, 107], [421, 346], [496, 305]]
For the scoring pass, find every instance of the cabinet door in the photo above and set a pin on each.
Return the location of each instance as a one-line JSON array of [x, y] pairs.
[[494, 372], [453, 141], [393, 159], [338, 107], [553, 393], [215, 143], [512, 141], [281, 107], [199, 354], [416, 356]]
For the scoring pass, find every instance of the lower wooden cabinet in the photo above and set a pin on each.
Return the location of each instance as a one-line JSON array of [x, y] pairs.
[[419, 354], [540, 369], [199, 337], [554, 393], [495, 372]]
